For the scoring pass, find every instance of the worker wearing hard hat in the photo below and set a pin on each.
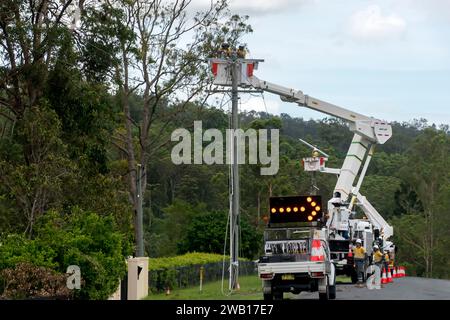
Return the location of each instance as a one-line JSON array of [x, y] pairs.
[[386, 259], [225, 50], [241, 52], [377, 257], [359, 255]]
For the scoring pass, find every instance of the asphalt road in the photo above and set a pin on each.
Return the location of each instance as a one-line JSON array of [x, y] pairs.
[[408, 288]]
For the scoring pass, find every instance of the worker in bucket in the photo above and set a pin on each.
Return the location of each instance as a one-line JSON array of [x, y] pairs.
[[241, 53], [225, 50], [359, 254]]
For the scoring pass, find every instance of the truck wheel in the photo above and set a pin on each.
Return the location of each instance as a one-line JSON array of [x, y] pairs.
[[268, 297], [332, 292], [325, 295]]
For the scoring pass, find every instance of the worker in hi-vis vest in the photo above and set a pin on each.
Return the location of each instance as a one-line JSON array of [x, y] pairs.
[[359, 256], [378, 258], [386, 260]]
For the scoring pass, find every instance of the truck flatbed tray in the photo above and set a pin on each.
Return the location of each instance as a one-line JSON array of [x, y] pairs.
[[291, 267]]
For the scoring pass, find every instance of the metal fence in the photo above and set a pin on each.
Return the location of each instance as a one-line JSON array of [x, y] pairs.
[[186, 276]]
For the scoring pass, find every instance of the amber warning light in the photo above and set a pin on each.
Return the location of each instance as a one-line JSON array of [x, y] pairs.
[[295, 209]]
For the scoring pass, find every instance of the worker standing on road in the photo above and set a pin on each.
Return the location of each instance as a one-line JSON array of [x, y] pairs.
[[386, 260], [377, 258], [359, 254]]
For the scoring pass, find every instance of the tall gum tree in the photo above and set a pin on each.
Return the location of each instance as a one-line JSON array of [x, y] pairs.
[[160, 51]]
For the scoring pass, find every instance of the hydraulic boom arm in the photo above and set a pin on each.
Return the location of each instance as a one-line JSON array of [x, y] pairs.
[[367, 132]]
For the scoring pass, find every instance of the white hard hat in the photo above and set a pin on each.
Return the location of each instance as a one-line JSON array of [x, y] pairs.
[[358, 241], [376, 247]]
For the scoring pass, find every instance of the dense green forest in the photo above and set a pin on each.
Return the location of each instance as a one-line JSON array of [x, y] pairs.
[[81, 107]]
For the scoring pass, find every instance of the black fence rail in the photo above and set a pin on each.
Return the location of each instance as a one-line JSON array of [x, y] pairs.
[[181, 277]]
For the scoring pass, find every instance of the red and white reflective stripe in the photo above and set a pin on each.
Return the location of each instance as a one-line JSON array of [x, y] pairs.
[[214, 68], [250, 68], [316, 251]]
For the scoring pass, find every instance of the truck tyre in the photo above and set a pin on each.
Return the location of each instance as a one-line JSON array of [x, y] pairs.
[[325, 295], [332, 292]]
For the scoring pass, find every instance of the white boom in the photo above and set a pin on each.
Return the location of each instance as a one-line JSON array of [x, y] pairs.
[[367, 132]]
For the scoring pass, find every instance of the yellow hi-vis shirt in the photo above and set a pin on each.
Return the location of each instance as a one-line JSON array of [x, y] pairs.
[[377, 256], [359, 253]]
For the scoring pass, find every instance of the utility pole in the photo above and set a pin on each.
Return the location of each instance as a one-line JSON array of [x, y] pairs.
[[234, 223], [232, 60], [139, 216]]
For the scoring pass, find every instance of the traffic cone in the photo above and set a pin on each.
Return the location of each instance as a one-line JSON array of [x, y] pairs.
[[394, 273], [389, 276], [317, 253], [383, 278], [403, 271]]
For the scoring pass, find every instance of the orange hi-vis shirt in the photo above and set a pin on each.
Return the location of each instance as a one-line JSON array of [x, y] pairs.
[[359, 253]]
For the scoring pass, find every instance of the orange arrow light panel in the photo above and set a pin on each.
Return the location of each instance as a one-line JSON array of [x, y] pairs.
[[294, 209]]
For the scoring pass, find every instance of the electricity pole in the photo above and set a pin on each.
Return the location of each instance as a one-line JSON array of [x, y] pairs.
[[234, 223], [232, 61]]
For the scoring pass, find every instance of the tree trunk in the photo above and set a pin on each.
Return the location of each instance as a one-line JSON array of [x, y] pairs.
[[131, 158]]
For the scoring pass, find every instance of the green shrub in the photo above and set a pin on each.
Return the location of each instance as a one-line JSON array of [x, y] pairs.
[[28, 281], [80, 238], [15, 249]]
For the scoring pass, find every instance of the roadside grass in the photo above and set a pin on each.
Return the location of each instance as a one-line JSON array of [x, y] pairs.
[[250, 289], [343, 280]]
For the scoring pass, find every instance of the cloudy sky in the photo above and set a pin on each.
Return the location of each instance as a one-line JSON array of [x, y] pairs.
[[389, 59]]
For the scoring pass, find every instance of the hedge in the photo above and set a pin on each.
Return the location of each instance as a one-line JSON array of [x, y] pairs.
[[183, 271], [188, 259]]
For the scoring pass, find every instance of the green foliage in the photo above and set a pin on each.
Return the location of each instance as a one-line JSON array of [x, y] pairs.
[[422, 232], [35, 179], [381, 191], [206, 233], [28, 281], [184, 270], [187, 259], [176, 217], [91, 242], [80, 238], [15, 249]]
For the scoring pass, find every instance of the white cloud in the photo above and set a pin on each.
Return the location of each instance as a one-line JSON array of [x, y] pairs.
[[370, 24]]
